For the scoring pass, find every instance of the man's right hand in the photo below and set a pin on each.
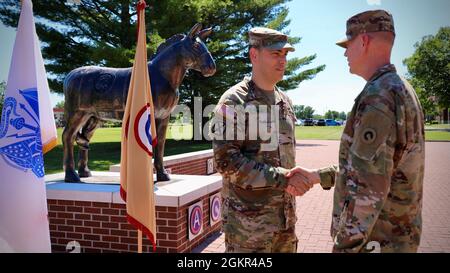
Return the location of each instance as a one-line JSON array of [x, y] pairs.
[[301, 180], [298, 185], [312, 175]]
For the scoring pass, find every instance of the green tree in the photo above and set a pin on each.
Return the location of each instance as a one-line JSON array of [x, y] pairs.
[[429, 69], [2, 94], [331, 114], [335, 114], [342, 115], [309, 112], [100, 32], [317, 116], [299, 111], [60, 105], [429, 104], [302, 111]]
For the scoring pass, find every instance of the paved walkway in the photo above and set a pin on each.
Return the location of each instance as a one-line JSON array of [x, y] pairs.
[[314, 208]]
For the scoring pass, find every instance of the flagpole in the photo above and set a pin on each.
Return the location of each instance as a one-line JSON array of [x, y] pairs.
[[139, 231], [139, 241]]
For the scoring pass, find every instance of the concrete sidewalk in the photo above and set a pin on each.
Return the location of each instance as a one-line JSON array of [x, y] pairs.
[[314, 208]]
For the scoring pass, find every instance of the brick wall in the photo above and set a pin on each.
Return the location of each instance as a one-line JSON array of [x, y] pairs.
[[102, 227], [194, 163], [194, 167]]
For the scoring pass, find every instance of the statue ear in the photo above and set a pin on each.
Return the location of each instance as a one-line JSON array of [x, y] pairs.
[[205, 33], [194, 30]]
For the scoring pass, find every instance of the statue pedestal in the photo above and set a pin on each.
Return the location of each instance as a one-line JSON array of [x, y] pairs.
[[94, 215], [194, 163]]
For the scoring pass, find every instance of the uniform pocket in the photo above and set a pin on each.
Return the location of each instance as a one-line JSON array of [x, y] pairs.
[[344, 215]]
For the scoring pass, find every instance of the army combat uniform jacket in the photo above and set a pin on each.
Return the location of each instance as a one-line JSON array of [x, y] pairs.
[[378, 185], [255, 204]]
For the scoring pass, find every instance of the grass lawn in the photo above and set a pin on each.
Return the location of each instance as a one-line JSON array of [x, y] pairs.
[[437, 136], [335, 132], [105, 149], [319, 132], [105, 145], [437, 126]]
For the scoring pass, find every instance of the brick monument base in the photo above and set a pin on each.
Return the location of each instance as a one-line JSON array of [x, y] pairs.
[[193, 163], [91, 216]]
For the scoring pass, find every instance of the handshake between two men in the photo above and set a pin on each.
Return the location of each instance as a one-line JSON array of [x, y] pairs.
[[301, 180]]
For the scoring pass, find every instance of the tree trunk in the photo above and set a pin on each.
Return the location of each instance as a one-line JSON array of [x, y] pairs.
[[445, 115], [125, 22]]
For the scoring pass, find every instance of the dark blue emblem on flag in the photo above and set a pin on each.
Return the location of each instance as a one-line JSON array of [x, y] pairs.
[[20, 135]]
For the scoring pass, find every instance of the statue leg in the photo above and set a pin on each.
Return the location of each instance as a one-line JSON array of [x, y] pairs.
[[73, 125], [161, 129], [83, 139]]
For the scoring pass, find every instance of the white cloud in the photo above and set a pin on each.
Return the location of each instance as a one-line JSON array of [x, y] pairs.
[[374, 2]]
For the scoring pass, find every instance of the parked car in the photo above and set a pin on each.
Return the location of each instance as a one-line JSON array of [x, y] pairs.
[[309, 122], [321, 122], [331, 122]]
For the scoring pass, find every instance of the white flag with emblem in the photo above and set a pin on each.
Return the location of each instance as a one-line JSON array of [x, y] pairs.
[[27, 131]]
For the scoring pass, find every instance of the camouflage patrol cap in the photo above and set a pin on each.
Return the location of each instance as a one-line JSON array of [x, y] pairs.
[[269, 38], [368, 21]]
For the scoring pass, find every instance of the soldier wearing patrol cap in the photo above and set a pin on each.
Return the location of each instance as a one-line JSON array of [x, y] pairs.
[[261, 37], [258, 214], [378, 186], [366, 22]]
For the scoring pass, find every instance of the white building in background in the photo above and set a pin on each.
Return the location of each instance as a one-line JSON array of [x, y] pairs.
[[59, 117]]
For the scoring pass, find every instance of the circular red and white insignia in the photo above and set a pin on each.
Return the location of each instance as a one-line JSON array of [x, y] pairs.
[[215, 208], [142, 129], [196, 220]]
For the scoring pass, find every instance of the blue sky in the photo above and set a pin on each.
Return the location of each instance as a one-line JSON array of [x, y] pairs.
[[321, 23]]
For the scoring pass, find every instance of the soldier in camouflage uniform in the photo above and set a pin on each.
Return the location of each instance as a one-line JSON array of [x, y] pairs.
[[258, 214], [378, 185]]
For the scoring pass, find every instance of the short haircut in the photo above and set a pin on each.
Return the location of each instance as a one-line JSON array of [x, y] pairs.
[[383, 36], [250, 47]]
